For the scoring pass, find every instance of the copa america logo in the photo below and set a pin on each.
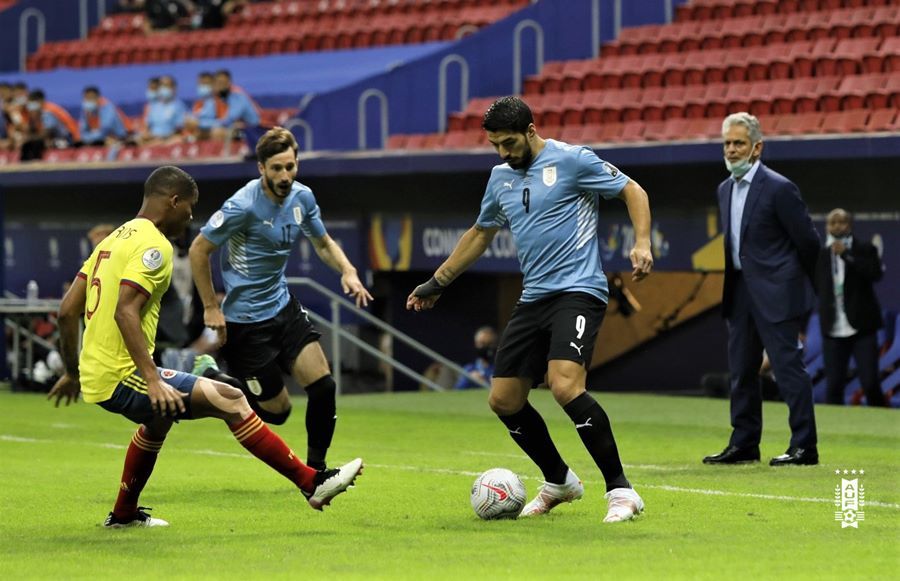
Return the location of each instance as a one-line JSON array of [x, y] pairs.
[[850, 498]]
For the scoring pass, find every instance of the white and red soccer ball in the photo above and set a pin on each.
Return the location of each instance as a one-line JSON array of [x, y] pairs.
[[498, 493]]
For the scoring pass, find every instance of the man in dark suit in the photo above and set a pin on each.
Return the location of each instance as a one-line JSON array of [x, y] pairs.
[[848, 308], [771, 249]]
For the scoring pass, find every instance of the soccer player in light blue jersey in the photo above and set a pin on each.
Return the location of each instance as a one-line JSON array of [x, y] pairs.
[[264, 331], [548, 192]]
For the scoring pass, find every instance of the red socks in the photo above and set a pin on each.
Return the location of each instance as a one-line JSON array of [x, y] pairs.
[[139, 462], [266, 445]]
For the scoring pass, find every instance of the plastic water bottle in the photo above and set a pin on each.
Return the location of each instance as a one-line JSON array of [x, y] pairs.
[[31, 291]]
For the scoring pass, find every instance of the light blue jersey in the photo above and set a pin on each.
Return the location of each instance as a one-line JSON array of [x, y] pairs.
[[257, 236], [551, 209]]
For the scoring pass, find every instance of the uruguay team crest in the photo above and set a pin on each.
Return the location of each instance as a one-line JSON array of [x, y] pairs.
[[549, 175], [298, 215]]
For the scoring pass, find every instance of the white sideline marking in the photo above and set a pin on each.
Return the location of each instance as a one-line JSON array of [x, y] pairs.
[[666, 487], [637, 466], [6, 438]]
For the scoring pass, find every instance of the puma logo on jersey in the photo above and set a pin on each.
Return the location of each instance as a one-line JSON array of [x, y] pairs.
[[270, 223], [576, 347], [508, 185]]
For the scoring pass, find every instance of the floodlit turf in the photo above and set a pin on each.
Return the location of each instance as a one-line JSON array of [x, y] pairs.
[[409, 515]]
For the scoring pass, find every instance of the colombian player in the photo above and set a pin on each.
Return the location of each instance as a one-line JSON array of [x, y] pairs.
[[118, 292]]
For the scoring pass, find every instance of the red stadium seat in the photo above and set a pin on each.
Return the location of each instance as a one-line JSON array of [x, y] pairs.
[[572, 134], [882, 120], [602, 133], [8, 157], [800, 123], [846, 121], [59, 155]]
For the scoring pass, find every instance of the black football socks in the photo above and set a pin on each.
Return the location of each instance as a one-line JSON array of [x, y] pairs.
[[529, 431], [320, 420], [593, 426]]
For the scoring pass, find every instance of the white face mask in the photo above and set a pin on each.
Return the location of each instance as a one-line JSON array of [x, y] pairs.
[[739, 168]]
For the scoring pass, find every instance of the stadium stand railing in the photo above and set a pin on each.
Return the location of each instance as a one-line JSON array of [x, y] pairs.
[[804, 67], [275, 28]]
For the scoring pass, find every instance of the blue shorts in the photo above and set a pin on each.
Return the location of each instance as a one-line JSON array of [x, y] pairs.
[[130, 396]]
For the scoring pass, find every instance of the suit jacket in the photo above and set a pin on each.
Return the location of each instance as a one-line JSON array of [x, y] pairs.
[[862, 268], [779, 247]]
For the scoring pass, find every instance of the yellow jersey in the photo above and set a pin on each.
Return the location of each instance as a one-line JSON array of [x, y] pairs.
[[137, 254]]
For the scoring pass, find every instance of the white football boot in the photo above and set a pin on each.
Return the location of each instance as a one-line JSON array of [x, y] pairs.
[[624, 504], [140, 519], [330, 483], [550, 495]]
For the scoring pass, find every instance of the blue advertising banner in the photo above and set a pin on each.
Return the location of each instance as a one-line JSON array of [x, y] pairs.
[[689, 242], [52, 253], [423, 242]]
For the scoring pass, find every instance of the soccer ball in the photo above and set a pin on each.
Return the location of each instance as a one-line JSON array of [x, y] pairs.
[[498, 493]]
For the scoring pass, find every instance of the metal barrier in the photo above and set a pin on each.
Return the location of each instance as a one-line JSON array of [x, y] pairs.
[[337, 332], [15, 309], [442, 87], [361, 116], [517, 51], [41, 29]]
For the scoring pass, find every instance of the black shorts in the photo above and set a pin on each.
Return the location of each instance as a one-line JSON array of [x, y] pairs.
[[258, 353], [561, 326]]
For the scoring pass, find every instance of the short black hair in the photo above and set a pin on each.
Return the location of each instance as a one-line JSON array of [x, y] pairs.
[[508, 114], [204, 74], [152, 80], [91, 89], [225, 72], [167, 180], [20, 85], [36, 95]]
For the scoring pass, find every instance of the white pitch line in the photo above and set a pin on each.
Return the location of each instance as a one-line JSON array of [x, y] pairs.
[[452, 472], [656, 467]]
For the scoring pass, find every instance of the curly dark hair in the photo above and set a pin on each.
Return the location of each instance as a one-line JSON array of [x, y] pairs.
[[508, 114]]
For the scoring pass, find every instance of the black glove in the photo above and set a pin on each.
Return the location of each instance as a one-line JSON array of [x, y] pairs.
[[432, 288]]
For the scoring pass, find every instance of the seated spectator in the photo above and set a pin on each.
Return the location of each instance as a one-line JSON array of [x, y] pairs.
[[131, 6], [200, 121], [101, 122], [165, 14], [210, 13], [16, 112], [234, 110], [164, 117], [482, 368], [48, 124], [5, 93], [5, 140]]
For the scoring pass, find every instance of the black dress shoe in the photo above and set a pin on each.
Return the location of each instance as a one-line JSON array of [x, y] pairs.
[[734, 455], [796, 456]]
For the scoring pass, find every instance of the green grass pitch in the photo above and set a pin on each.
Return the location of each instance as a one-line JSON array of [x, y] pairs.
[[409, 516]]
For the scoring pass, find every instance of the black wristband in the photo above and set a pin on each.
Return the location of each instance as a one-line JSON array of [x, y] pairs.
[[429, 289]]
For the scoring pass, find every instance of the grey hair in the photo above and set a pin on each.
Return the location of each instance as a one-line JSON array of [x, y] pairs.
[[747, 120]]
